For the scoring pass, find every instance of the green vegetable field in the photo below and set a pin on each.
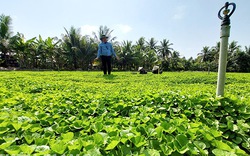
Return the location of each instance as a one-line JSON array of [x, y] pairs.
[[86, 113]]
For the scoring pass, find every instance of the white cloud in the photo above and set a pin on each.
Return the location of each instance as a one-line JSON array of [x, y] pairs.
[[89, 29], [179, 12], [123, 28]]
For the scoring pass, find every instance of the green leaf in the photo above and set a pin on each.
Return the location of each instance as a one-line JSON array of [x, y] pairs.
[[125, 150], [42, 150], [182, 139], [138, 141], [3, 130], [200, 144], [237, 140], [151, 152], [180, 143], [193, 150], [220, 152], [29, 138], [93, 152], [97, 127], [167, 150], [112, 145], [215, 133], [35, 127], [26, 149], [13, 150], [59, 147], [167, 127], [159, 131], [150, 131], [77, 124], [75, 144], [17, 126], [98, 139], [208, 136], [221, 145], [74, 152], [41, 141], [68, 136], [6, 144]]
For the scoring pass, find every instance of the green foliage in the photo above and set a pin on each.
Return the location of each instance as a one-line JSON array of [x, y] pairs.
[[86, 113]]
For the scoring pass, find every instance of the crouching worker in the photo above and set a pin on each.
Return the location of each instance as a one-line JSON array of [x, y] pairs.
[[142, 70], [156, 70]]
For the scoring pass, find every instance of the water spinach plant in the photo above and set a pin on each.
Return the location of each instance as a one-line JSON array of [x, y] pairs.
[[85, 113]]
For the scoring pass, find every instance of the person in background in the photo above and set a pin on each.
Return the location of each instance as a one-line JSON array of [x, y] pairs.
[[105, 52]]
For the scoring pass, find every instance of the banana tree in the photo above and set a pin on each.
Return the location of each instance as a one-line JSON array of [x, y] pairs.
[[22, 50], [51, 49], [5, 36]]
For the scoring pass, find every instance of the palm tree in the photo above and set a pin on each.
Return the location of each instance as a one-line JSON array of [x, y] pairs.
[[5, 35], [88, 49], [152, 44], [206, 57], [141, 43], [71, 42], [205, 54], [103, 30], [216, 51], [175, 61], [126, 54], [165, 50], [233, 49], [247, 50], [150, 53]]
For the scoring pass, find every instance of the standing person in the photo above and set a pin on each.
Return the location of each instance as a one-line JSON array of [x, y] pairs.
[[105, 52]]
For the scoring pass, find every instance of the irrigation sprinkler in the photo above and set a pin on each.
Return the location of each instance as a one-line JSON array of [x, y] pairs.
[[224, 35]]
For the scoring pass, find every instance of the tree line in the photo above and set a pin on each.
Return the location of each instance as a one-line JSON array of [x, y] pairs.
[[74, 51]]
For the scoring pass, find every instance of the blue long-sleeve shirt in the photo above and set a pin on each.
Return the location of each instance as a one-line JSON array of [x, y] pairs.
[[105, 49]]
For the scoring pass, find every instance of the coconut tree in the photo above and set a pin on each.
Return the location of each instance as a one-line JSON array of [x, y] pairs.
[[150, 53], [141, 43], [206, 57], [5, 35], [88, 49], [175, 61], [247, 50], [71, 44], [152, 44], [103, 30], [233, 50], [165, 52], [126, 54], [215, 51], [241, 63]]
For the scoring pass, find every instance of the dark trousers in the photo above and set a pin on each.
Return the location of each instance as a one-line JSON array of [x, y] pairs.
[[106, 64]]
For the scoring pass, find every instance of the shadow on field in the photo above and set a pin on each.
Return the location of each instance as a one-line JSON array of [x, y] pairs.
[[109, 77]]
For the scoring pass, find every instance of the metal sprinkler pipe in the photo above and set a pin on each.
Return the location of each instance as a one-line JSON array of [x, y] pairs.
[[224, 35]]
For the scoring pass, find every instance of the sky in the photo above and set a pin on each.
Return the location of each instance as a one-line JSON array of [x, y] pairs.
[[188, 24]]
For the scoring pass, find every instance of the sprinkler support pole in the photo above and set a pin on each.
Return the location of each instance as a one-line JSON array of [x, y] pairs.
[[224, 35]]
